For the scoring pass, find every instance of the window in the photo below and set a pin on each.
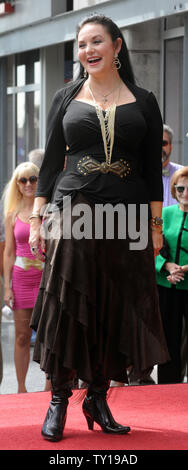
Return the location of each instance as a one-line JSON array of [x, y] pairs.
[[173, 92], [69, 5], [24, 103], [68, 61]]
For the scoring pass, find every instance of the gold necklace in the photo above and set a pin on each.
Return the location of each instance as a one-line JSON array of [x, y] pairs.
[[107, 126], [105, 99]]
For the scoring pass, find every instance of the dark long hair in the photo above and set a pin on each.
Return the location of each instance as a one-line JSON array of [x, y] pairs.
[[125, 72]]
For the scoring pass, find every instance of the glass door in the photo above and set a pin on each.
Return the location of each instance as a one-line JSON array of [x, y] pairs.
[[24, 99], [173, 93]]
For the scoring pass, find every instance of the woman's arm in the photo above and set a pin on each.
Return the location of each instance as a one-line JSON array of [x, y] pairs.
[[9, 259], [152, 149], [52, 165], [35, 237], [39, 203], [156, 211], [152, 164], [54, 157]]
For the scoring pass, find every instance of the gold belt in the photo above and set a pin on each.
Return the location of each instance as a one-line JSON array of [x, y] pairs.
[[88, 165], [26, 263]]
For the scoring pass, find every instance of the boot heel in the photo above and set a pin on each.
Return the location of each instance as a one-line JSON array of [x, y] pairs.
[[90, 421], [96, 409]]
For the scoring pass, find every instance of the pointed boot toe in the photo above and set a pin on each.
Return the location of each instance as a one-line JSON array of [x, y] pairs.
[[52, 429], [96, 409]]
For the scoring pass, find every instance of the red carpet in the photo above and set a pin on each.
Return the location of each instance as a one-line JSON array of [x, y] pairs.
[[158, 416]]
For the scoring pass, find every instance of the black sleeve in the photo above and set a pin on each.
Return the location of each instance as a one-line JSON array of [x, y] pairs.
[[165, 249], [54, 155], [152, 150]]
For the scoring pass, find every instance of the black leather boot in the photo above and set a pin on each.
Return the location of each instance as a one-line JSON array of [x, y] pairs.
[[55, 420], [96, 409]]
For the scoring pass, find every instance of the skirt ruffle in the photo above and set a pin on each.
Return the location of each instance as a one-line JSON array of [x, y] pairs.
[[98, 305]]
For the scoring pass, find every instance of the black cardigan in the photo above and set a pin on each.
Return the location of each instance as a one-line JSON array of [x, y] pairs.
[[55, 148]]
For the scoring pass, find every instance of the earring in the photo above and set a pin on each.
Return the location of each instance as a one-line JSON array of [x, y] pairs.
[[85, 73], [117, 62]]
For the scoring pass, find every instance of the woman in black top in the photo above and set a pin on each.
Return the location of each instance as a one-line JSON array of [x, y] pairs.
[[97, 311]]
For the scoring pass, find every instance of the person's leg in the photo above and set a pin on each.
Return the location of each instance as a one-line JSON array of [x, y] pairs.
[[1, 356], [48, 385], [22, 346], [54, 423], [186, 326], [96, 409], [183, 351], [170, 306]]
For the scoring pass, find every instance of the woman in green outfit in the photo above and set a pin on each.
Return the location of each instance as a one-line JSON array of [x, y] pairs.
[[172, 275]]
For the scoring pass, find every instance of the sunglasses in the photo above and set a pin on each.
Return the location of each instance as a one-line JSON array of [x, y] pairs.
[[165, 143], [181, 189], [31, 179]]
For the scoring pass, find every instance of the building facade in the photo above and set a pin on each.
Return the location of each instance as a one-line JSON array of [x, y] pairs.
[[38, 56]]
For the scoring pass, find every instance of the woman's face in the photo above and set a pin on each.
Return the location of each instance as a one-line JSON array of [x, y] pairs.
[[182, 191], [27, 184], [96, 49]]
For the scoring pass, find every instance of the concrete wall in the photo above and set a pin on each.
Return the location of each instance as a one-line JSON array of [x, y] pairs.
[[143, 42], [26, 12], [78, 4]]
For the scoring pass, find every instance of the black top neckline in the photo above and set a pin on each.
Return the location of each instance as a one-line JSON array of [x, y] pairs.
[[93, 106]]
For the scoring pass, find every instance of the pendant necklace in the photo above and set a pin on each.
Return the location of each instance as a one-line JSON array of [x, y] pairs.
[[104, 97], [107, 123]]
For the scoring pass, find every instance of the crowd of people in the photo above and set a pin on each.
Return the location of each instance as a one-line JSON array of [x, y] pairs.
[[77, 293]]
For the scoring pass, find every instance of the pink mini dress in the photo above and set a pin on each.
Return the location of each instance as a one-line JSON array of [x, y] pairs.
[[27, 271]]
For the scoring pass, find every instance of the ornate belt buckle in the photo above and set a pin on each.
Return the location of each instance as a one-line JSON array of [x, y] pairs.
[[88, 165], [104, 167]]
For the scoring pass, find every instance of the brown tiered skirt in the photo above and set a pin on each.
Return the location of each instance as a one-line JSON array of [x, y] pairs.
[[98, 305]]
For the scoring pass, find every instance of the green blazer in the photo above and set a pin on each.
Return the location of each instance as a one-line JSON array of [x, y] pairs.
[[175, 248]]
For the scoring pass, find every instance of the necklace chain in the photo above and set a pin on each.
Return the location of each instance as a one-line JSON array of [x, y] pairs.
[[107, 94], [107, 123]]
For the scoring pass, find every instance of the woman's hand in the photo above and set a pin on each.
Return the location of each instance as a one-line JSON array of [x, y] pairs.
[[8, 297], [174, 268], [176, 272], [35, 238], [157, 241], [174, 278]]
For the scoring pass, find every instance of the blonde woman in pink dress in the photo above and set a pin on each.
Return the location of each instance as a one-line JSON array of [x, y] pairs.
[[22, 272]]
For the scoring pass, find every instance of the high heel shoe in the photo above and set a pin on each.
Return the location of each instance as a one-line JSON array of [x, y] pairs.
[[55, 420], [96, 409]]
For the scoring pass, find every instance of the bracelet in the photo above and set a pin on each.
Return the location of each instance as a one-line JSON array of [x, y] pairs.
[[156, 221], [154, 230], [35, 216]]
